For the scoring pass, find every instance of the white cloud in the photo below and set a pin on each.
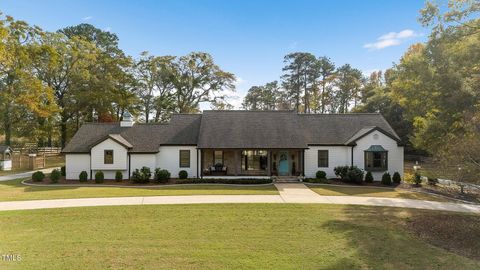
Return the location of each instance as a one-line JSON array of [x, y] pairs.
[[87, 18], [391, 39], [108, 29]]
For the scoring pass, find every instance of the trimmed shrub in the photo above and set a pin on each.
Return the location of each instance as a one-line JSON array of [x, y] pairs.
[[99, 177], [162, 176], [321, 175], [341, 171], [141, 176], [118, 176], [355, 175], [316, 180], [417, 179], [386, 179], [182, 174], [396, 178], [369, 177], [63, 171], [432, 181], [55, 176], [38, 176], [83, 176]]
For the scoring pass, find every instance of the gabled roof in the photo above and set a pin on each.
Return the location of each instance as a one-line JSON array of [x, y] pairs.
[[339, 129], [236, 129], [4, 148], [117, 138], [142, 138]]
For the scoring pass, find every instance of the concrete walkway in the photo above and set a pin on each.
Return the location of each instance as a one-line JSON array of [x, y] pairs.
[[289, 193], [25, 174]]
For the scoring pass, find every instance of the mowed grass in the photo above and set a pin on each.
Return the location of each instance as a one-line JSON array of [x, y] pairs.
[[223, 236], [326, 190], [15, 191]]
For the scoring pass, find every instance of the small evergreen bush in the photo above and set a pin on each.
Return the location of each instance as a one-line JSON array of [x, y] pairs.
[[386, 179], [141, 176], [118, 176], [182, 174], [55, 176], [369, 177], [355, 175], [341, 171], [63, 171], [321, 175], [99, 177], [396, 178], [83, 176], [38, 176], [432, 181], [162, 176], [417, 179]]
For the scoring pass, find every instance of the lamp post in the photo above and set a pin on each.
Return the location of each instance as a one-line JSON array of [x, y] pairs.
[[459, 179]]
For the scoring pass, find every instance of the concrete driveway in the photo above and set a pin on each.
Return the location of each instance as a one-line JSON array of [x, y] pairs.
[[289, 193], [25, 174]]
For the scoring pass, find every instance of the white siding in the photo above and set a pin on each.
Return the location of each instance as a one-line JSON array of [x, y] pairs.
[[137, 161], [110, 175], [75, 164], [119, 156], [395, 153], [337, 156], [169, 158]]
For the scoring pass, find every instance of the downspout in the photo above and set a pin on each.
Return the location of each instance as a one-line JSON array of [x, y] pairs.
[[201, 164], [91, 171], [352, 154], [129, 165]]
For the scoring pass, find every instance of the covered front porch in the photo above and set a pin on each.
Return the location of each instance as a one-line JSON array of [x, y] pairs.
[[251, 162]]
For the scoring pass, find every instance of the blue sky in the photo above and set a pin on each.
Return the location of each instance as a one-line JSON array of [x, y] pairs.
[[247, 38]]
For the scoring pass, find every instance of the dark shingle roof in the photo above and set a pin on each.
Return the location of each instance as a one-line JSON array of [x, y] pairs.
[[4, 148], [250, 129], [144, 138], [236, 129], [342, 128]]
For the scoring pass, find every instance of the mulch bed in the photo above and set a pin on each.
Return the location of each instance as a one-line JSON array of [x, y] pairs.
[[63, 181], [457, 233], [335, 181]]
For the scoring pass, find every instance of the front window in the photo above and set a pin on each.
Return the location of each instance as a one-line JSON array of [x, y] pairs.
[[254, 160], [108, 157], [184, 158], [376, 161], [217, 157], [322, 158]]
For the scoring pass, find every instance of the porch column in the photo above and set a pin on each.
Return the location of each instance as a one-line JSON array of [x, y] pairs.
[[201, 163], [269, 161], [235, 160]]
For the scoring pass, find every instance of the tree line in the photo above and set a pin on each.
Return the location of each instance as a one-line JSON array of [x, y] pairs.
[[52, 82], [431, 97]]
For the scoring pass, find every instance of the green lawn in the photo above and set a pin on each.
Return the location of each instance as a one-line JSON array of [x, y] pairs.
[[227, 236], [15, 191], [373, 192]]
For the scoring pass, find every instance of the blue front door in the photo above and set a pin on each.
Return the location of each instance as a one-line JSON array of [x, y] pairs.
[[283, 164]]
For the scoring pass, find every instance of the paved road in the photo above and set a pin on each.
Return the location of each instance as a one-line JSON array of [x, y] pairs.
[[24, 174], [289, 193]]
